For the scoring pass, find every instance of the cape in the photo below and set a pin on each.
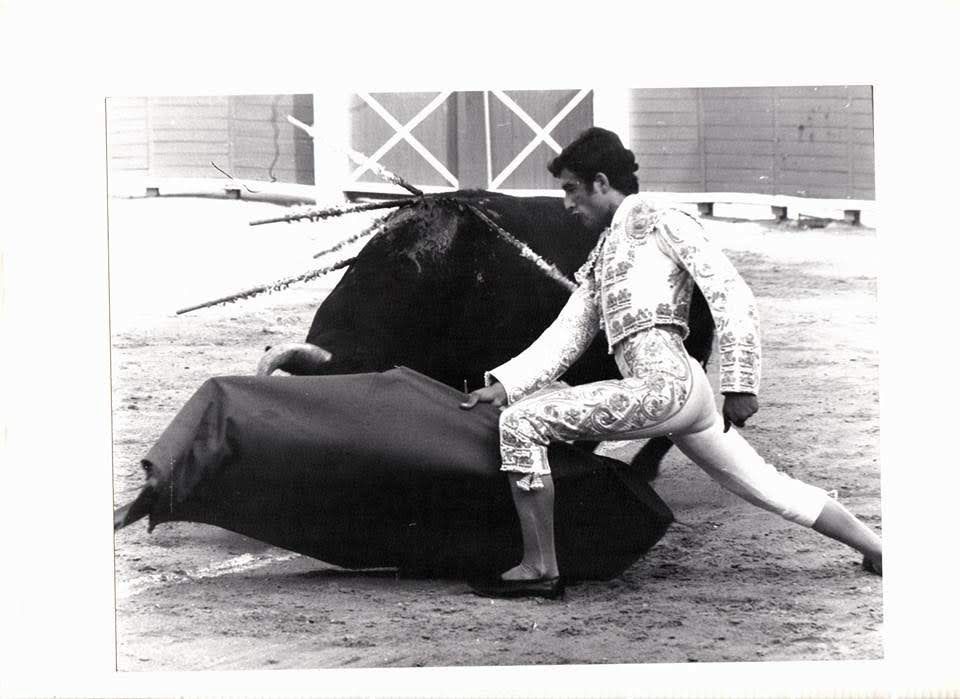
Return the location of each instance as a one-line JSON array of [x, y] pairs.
[[381, 470]]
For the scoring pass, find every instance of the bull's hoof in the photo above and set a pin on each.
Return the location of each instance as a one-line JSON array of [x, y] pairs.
[[295, 355]]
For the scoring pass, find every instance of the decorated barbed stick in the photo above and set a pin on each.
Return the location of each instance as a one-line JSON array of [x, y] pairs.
[[369, 230], [332, 211], [358, 158], [278, 285], [525, 251]]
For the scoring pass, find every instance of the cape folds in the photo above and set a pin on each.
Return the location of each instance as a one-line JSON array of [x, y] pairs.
[[381, 470]]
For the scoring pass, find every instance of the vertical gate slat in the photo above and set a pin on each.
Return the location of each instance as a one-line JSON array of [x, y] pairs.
[[471, 151]]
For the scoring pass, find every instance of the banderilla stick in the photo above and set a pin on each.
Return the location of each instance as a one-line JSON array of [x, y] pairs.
[[275, 286], [368, 231], [330, 212], [526, 252], [358, 158]]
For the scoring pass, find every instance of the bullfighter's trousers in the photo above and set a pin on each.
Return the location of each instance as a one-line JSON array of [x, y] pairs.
[[664, 392]]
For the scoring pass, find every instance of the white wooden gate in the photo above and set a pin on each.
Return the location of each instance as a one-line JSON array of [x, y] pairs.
[[497, 140]]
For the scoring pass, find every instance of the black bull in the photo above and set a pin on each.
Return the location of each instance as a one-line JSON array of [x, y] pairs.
[[439, 291], [375, 466]]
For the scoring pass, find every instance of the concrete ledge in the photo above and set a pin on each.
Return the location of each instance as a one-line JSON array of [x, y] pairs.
[[251, 190], [780, 206]]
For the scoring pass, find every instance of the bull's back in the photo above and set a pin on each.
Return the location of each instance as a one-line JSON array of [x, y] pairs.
[[439, 291]]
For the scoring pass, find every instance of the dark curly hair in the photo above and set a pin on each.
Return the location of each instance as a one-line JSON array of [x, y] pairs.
[[599, 150]]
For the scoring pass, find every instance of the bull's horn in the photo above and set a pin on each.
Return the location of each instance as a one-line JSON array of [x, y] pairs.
[[300, 352]]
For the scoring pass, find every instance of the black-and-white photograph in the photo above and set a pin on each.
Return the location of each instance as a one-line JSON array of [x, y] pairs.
[[308, 292], [516, 349]]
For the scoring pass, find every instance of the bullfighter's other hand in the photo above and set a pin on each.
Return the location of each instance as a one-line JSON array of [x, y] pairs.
[[737, 407], [495, 394]]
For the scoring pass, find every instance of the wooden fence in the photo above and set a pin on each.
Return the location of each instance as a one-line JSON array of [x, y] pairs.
[[810, 142], [798, 141], [246, 136]]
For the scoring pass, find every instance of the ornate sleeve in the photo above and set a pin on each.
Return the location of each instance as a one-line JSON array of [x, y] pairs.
[[560, 345], [731, 302]]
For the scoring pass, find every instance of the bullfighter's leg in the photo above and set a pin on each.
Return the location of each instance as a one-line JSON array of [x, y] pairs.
[[837, 522], [730, 460], [654, 403], [535, 510], [663, 398]]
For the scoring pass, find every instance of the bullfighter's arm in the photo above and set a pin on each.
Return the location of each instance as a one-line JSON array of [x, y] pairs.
[[731, 302], [551, 354]]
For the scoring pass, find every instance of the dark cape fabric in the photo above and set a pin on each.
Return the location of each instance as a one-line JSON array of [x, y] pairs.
[[381, 470]]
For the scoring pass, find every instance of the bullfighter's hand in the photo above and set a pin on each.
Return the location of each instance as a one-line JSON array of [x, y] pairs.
[[495, 394], [737, 407]]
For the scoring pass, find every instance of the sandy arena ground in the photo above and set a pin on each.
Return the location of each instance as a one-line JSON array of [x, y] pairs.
[[727, 582]]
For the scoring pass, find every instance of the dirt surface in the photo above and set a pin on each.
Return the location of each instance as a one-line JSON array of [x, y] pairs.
[[727, 583]]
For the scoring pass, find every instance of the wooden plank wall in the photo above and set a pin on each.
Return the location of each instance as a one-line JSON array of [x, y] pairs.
[[264, 145], [665, 136], [247, 136], [739, 139], [128, 145], [187, 133], [801, 141]]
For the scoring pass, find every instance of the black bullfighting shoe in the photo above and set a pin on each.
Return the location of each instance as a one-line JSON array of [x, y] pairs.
[[872, 566], [548, 588]]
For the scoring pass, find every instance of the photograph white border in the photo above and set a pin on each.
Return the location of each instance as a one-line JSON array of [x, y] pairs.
[[62, 60]]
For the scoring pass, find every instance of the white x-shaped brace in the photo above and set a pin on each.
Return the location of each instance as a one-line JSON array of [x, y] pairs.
[[541, 134], [402, 132]]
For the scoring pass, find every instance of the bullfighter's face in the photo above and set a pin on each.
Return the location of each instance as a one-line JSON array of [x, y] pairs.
[[589, 202]]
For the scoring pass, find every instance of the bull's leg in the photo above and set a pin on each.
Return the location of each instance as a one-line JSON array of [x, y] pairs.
[[298, 358], [647, 460]]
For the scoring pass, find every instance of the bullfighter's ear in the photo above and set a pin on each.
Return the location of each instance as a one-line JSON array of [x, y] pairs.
[[601, 182]]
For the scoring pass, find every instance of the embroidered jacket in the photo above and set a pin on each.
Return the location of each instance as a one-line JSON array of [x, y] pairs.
[[641, 274]]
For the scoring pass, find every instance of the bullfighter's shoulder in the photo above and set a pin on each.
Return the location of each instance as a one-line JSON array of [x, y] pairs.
[[641, 217]]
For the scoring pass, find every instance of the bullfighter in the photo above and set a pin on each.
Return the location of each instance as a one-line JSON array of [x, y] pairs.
[[636, 287]]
